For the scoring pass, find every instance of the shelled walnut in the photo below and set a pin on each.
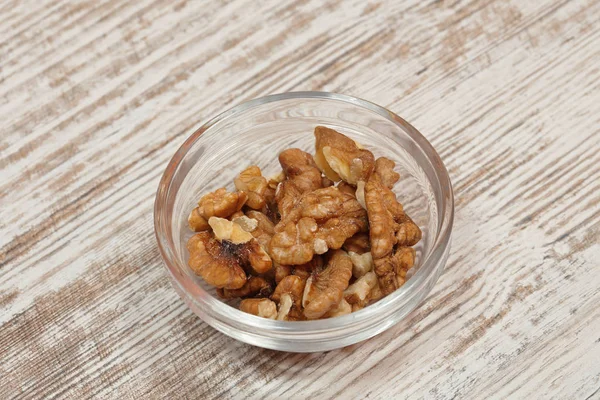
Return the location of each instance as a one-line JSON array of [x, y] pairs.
[[324, 237]]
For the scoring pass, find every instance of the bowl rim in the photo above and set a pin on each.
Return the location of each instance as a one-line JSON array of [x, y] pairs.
[[231, 316]]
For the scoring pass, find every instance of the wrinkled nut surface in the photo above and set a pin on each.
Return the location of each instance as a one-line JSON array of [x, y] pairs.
[[324, 289], [338, 156], [255, 286], [291, 285], [221, 203], [286, 196], [300, 169], [384, 167], [251, 182], [391, 270], [361, 263], [288, 294], [324, 216], [260, 307], [217, 264], [381, 221]]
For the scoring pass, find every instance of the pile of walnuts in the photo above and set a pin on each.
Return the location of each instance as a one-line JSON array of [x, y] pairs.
[[325, 237]]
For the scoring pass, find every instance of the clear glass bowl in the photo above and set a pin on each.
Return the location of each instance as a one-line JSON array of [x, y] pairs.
[[254, 133]]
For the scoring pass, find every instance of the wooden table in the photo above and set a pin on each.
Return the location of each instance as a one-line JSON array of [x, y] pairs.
[[96, 96]]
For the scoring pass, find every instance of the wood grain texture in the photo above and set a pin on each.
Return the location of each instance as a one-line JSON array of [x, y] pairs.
[[96, 96]]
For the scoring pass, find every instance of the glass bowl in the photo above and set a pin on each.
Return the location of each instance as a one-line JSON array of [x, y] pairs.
[[254, 133]]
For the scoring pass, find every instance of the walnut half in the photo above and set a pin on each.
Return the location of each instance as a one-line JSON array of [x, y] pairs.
[[325, 289], [339, 157]]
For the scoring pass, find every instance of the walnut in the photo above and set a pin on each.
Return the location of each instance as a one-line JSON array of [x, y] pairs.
[[255, 286], [342, 308], [320, 220], [361, 263], [259, 307], [197, 222], [231, 247], [219, 203], [338, 156], [392, 269], [384, 167], [216, 263], [286, 196], [381, 221], [358, 292], [324, 289], [359, 243], [288, 294], [251, 182], [408, 233], [347, 188], [300, 169]]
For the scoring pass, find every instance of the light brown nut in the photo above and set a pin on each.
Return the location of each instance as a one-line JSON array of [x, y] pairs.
[[361, 263], [384, 167], [257, 257], [408, 233], [221, 203], [291, 285], [381, 221], [300, 169], [251, 182], [340, 154], [359, 291], [359, 243], [197, 222], [320, 220], [342, 308], [347, 188], [217, 264], [286, 196], [324, 289], [294, 245], [259, 307], [255, 286], [391, 270]]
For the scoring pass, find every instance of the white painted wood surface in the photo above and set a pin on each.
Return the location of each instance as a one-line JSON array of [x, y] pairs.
[[95, 97]]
